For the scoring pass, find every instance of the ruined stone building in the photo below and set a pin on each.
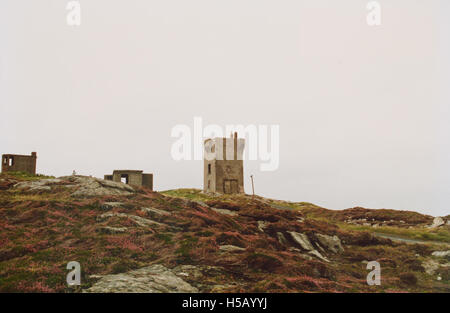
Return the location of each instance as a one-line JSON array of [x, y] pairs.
[[224, 165], [132, 177], [19, 163]]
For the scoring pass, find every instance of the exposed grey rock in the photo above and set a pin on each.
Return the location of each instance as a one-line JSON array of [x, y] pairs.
[[281, 238], [38, 185], [331, 243], [112, 230], [318, 255], [230, 248], [155, 211], [441, 254], [106, 216], [95, 276], [262, 225], [91, 186], [430, 266], [144, 221], [302, 240], [224, 211], [152, 279], [438, 221], [304, 255]]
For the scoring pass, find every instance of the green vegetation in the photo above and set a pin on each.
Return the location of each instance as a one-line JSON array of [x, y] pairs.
[[41, 231], [415, 233], [185, 249], [27, 177], [167, 238], [191, 194]]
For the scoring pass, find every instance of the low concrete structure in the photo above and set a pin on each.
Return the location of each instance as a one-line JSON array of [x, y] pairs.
[[132, 177], [19, 163]]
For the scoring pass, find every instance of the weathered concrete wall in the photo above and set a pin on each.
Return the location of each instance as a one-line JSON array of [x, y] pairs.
[[230, 176], [226, 164], [19, 163], [136, 178], [209, 177], [147, 180]]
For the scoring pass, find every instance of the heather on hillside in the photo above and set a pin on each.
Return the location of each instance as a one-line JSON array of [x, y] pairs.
[[204, 242]]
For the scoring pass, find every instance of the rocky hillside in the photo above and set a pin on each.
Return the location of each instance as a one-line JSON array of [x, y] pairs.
[[134, 240]]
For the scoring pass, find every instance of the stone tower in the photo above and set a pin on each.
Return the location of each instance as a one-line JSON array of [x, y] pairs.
[[224, 165]]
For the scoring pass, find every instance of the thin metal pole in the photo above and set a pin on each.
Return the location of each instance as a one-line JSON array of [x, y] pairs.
[[253, 186]]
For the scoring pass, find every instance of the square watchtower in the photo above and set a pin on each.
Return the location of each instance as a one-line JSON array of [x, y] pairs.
[[224, 165]]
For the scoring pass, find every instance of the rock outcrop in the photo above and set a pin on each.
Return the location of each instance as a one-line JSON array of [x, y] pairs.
[[82, 186], [143, 222], [230, 248], [441, 254], [152, 279], [112, 230], [330, 243], [90, 186], [38, 185], [224, 211], [303, 241], [437, 222]]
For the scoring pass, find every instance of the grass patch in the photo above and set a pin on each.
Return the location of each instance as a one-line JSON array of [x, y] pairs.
[[441, 235], [191, 194], [184, 250], [167, 238], [27, 177]]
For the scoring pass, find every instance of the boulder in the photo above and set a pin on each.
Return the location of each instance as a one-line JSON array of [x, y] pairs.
[[302, 240], [438, 221], [112, 230], [318, 255], [152, 279], [330, 243], [230, 248], [224, 211], [281, 238], [262, 225], [155, 211], [38, 185], [91, 186], [430, 266], [441, 254], [305, 244]]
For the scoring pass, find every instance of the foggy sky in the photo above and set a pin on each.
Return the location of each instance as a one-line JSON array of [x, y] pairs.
[[363, 111]]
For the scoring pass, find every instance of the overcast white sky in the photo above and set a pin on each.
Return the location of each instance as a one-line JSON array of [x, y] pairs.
[[363, 111]]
